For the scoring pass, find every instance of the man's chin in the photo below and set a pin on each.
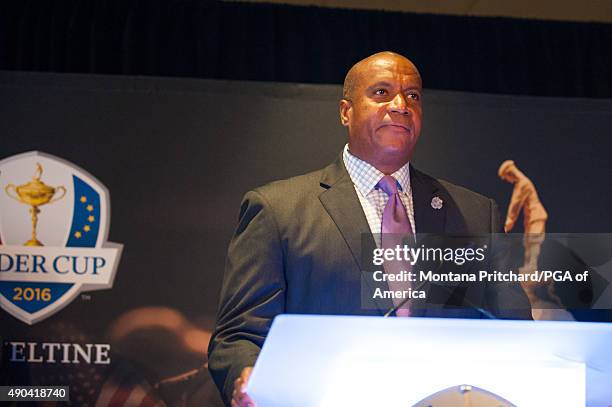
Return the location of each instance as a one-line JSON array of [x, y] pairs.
[[394, 137], [396, 152], [396, 146]]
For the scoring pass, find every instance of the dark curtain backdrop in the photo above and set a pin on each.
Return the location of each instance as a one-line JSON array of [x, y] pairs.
[[198, 38]]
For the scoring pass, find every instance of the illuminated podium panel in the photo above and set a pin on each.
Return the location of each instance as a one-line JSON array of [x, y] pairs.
[[365, 361]]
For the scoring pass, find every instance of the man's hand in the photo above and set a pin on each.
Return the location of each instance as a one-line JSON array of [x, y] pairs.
[[239, 396]]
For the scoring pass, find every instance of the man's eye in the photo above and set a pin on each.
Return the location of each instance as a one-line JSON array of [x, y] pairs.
[[414, 96], [380, 92]]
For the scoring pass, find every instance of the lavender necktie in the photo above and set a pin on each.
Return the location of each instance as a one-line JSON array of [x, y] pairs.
[[395, 228]]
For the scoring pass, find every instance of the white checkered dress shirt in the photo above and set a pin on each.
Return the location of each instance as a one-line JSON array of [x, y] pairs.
[[373, 200]]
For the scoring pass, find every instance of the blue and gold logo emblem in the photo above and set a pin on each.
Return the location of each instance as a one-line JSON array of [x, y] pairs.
[[54, 222]]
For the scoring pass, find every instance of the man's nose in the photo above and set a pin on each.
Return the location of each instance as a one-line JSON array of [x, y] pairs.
[[399, 105]]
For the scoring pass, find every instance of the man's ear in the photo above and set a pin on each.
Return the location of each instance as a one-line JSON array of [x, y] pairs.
[[345, 110]]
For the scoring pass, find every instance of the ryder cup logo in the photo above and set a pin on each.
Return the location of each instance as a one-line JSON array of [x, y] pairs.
[[54, 221]]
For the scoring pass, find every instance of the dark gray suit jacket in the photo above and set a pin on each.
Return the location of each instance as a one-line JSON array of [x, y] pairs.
[[297, 249]]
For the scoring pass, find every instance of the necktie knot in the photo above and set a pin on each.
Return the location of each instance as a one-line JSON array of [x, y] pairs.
[[388, 184]]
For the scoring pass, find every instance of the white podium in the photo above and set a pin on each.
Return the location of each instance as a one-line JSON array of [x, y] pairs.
[[332, 361]]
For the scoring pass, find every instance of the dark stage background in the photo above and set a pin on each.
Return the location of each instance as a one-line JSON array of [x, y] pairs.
[[177, 155], [281, 43]]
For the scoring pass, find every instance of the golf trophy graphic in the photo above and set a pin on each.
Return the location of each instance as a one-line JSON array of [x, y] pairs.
[[35, 194]]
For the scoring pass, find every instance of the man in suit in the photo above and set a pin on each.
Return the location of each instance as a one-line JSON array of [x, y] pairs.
[[298, 244]]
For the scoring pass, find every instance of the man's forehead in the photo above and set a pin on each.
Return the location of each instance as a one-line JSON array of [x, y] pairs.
[[383, 69], [399, 64]]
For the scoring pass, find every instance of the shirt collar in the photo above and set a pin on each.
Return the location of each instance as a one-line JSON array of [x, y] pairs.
[[365, 176]]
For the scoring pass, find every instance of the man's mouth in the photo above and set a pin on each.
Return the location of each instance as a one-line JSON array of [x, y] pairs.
[[397, 126]]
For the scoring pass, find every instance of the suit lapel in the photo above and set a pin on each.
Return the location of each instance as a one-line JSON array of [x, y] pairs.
[[341, 202], [427, 218], [434, 221], [424, 189]]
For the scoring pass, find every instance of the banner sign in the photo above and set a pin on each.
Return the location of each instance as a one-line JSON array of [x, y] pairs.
[[53, 229]]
